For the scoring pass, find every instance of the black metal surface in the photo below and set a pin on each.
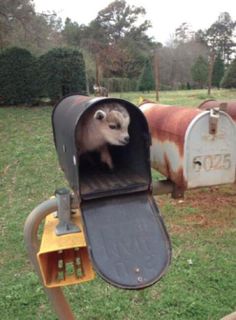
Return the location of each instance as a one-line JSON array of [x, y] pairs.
[[101, 182], [128, 243], [134, 157]]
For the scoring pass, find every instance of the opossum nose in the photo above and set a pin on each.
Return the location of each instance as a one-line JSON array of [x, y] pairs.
[[126, 139]]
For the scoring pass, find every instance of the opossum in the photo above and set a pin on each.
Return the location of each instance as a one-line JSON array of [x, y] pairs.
[[101, 126]]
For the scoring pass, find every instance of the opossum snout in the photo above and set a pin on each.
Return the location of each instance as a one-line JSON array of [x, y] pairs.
[[124, 141]]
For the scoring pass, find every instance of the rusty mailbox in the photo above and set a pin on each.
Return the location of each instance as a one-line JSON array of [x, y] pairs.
[[191, 147], [127, 240], [227, 106]]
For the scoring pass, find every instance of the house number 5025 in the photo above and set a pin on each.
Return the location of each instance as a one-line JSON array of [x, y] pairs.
[[212, 162]]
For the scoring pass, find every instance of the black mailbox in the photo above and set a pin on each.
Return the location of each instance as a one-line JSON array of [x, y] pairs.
[[126, 237]]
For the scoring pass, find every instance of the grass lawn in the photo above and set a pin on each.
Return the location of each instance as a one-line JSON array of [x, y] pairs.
[[200, 283]]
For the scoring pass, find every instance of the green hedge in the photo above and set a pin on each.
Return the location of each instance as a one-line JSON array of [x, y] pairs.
[[25, 78], [120, 84], [62, 71], [18, 81]]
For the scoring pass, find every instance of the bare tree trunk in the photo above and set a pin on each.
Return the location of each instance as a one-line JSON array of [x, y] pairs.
[[87, 83], [210, 71], [157, 73], [173, 74], [97, 72]]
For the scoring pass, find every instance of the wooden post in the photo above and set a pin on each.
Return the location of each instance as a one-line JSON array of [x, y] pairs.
[[97, 82], [157, 73], [210, 71]]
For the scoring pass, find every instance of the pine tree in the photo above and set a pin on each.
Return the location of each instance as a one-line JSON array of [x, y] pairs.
[[146, 81], [229, 80], [200, 71], [218, 71]]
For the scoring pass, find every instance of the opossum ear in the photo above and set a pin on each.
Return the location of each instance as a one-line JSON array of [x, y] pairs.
[[100, 115]]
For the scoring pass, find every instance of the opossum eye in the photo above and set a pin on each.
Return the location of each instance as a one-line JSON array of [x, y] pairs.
[[100, 115], [115, 126]]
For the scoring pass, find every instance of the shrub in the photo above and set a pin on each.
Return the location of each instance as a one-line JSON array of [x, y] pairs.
[[62, 71], [17, 76], [120, 84]]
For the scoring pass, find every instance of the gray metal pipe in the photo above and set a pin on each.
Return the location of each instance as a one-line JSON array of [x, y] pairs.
[[32, 242], [162, 187], [231, 316]]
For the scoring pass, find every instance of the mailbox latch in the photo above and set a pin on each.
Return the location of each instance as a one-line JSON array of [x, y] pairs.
[[213, 120]]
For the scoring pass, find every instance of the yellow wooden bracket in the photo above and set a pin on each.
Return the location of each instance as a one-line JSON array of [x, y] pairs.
[[64, 260]]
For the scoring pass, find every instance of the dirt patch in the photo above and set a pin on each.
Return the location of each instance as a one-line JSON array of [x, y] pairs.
[[212, 198], [202, 221], [176, 228], [204, 208]]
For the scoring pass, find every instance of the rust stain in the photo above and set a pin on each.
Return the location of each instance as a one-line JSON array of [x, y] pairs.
[[230, 106], [208, 104], [176, 176], [169, 123]]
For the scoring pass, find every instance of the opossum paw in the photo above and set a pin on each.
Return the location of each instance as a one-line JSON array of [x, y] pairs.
[[111, 170], [107, 166], [110, 165]]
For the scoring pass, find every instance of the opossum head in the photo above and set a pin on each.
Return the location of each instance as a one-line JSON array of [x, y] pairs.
[[112, 122]]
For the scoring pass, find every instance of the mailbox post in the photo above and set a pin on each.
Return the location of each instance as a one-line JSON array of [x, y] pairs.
[[122, 233], [32, 242]]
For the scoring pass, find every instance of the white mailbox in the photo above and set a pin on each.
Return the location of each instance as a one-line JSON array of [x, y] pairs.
[[191, 147]]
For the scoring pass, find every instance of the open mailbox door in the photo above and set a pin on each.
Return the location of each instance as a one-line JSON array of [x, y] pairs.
[[126, 237]]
